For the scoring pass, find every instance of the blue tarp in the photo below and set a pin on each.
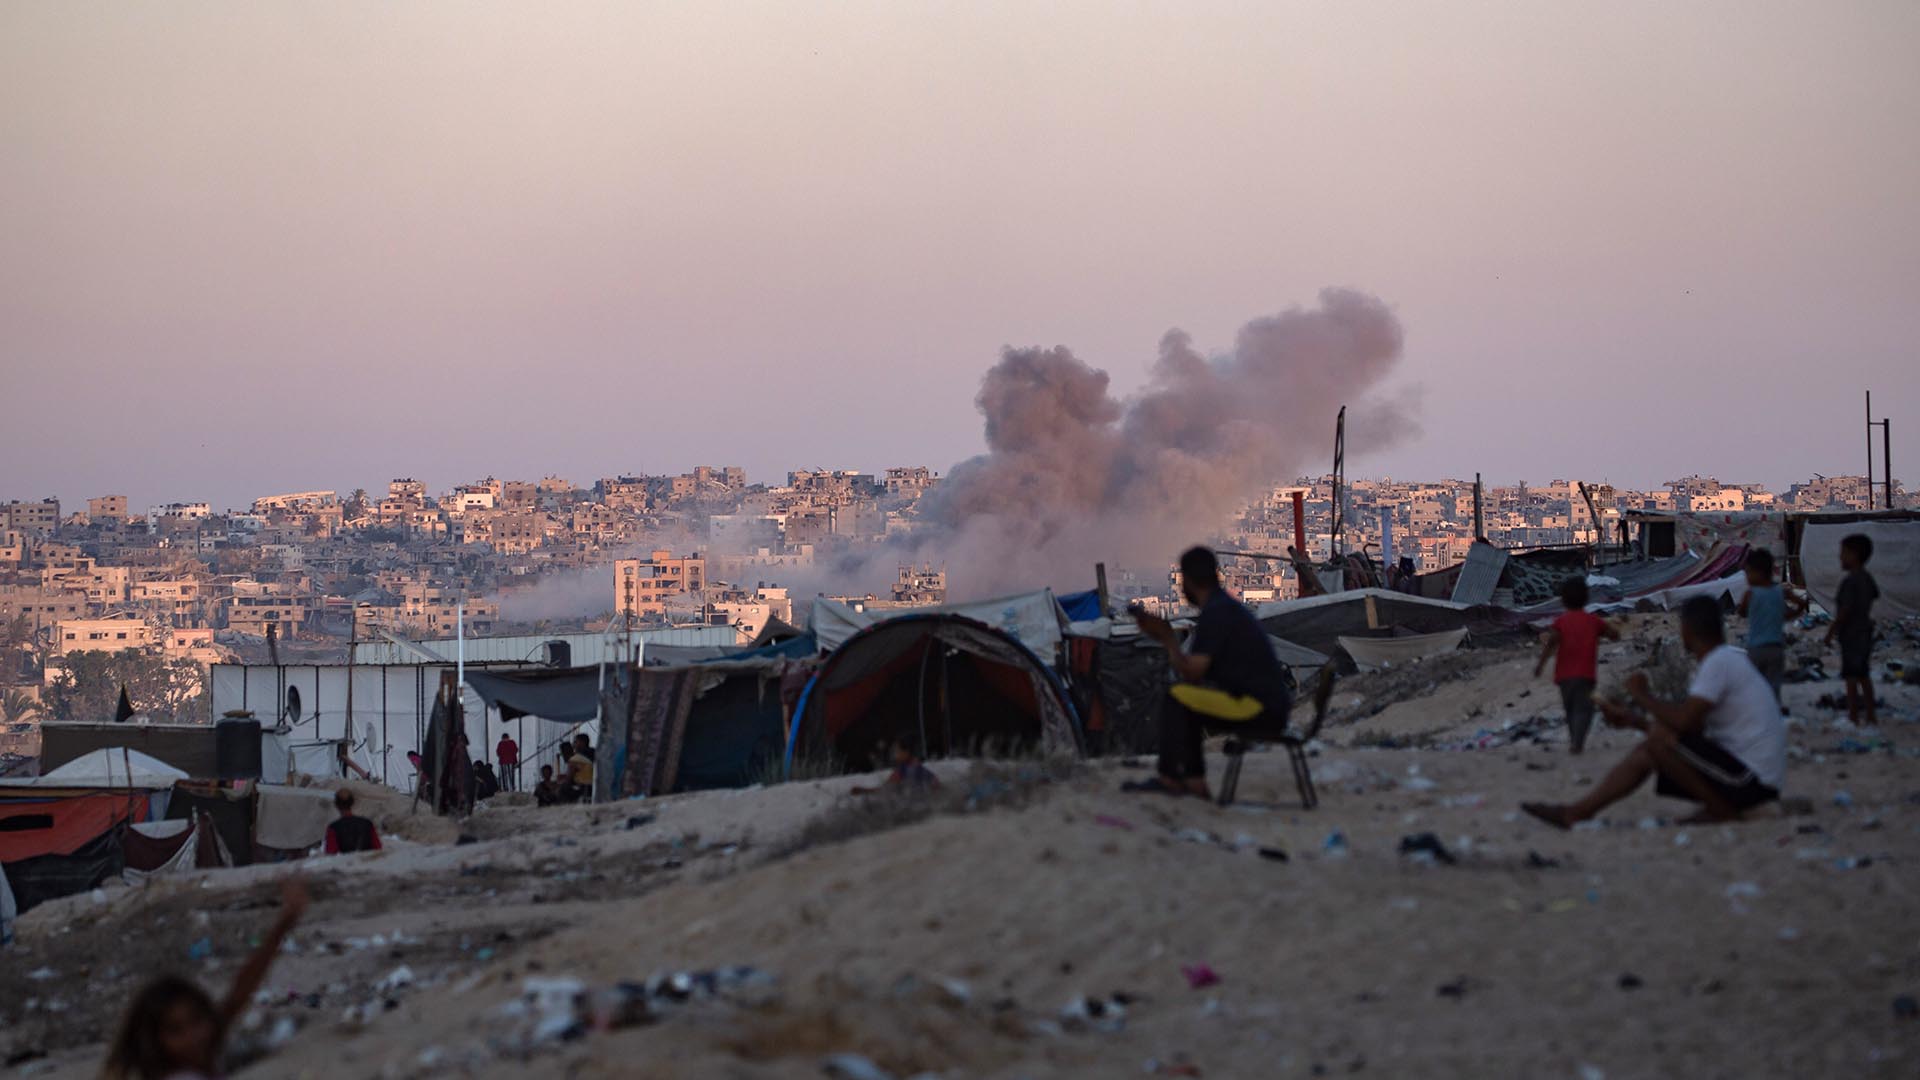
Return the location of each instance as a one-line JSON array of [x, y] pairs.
[[1081, 606]]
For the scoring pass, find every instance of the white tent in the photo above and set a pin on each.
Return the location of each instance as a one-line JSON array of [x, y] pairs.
[[1895, 565], [1034, 618], [108, 767]]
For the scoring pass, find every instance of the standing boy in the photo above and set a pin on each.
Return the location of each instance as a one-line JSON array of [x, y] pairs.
[[1573, 644], [1853, 624], [350, 832], [507, 753], [1767, 608]]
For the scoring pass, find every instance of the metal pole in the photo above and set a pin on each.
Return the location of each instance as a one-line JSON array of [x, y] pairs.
[[1870, 450], [1886, 457]]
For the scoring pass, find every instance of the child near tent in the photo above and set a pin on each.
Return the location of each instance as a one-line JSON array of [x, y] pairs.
[[173, 1030], [1573, 644], [547, 791], [1767, 607], [909, 773], [1853, 625]]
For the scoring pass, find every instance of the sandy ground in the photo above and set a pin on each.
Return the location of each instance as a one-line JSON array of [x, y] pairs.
[[949, 944]]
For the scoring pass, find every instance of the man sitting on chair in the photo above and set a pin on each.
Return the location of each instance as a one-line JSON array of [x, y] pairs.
[[1228, 674]]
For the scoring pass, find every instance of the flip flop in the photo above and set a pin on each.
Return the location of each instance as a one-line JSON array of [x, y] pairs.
[[1549, 813], [1152, 787]]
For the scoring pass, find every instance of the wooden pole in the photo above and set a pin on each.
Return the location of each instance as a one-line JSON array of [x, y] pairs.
[[1100, 587]]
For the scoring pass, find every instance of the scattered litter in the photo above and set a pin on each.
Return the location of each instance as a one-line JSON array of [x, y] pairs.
[[1537, 861], [1426, 848], [1099, 1013], [1592, 1072], [200, 950], [638, 820], [398, 979], [1274, 853], [1335, 845], [1630, 981], [1112, 822], [1843, 799], [1199, 976], [1196, 836], [853, 1067], [41, 974], [1456, 989]]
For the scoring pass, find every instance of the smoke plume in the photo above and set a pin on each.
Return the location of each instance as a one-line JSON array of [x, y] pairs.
[[1073, 475]]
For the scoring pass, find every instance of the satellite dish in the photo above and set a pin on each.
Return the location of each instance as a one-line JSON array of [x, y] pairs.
[[292, 714]]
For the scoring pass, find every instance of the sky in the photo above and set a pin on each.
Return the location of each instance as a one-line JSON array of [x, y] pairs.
[[273, 246]]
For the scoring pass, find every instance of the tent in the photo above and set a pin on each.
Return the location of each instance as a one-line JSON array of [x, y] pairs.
[[109, 767], [946, 683], [1034, 619], [1895, 566], [711, 723]]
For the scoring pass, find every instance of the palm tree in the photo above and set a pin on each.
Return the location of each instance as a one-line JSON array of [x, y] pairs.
[[16, 707]]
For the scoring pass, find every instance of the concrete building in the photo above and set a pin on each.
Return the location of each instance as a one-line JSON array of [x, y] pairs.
[[107, 508], [103, 635], [641, 586], [32, 518]]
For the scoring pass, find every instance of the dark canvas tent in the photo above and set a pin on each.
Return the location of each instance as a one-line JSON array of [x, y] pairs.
[[943, 682], [682, 726]]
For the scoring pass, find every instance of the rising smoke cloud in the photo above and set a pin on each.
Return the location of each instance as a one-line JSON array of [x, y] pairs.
[[1073, 475]]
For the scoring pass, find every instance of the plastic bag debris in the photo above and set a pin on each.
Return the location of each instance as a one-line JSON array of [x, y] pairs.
[[1426, 848], [1200, 976]]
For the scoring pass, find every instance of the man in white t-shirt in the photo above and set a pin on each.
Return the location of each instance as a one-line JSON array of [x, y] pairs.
[[1724, 747]]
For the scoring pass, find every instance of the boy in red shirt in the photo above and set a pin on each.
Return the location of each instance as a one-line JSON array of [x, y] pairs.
[[1573, 643]]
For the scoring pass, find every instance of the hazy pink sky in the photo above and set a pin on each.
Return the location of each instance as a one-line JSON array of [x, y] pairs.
[[257, 247]]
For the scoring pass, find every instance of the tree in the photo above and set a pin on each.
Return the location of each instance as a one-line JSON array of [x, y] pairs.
[[16, 707], [89, 686]]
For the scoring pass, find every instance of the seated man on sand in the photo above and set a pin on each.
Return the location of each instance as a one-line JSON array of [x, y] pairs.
[[1228, 674], [1724, 747]]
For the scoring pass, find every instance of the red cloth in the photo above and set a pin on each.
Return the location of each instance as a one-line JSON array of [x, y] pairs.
[[1579, 654], [508, 752]]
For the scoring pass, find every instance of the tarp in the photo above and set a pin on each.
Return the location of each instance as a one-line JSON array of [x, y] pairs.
[[1082, 606], [115, 767], [60, 825], [1033, 619], [158, 847], [945, 683], [291, 818], [566, 695], [1895, 565], [1371, 653], [230, 810], [49, 877]]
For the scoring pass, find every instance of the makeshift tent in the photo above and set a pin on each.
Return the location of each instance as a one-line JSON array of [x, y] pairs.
[[155, 848], [1117, 686], [110, 767], [48, 877], [944, 683], [1895, 566], [9, 909], [230, 811], [667, 728], [1033, 619], [51, 822], [291, 818]]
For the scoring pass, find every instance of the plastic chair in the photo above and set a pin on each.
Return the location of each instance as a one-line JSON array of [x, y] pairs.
[[1262, 729]]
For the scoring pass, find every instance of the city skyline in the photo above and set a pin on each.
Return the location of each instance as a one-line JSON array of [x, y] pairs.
[[279, 247]]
